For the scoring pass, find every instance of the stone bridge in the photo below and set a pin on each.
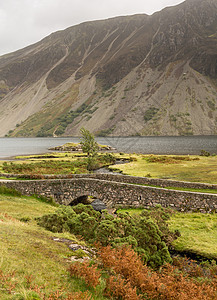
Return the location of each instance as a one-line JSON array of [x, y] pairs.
[[115, 193]]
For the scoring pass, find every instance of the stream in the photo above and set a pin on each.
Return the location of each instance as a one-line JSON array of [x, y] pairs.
[[106, 170]]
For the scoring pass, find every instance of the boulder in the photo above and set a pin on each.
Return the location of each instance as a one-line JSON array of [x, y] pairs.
[[98, 205]]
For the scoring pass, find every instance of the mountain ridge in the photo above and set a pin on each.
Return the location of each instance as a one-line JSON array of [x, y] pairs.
[[132, 75]]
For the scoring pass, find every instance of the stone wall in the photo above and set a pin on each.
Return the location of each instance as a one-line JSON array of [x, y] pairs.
[[148, 181], [115, 194], [124, 179]]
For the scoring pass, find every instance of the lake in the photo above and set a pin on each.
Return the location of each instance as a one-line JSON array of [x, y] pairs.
[[147, 145]]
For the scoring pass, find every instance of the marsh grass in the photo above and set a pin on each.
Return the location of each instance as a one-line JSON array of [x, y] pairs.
[[190, 168]]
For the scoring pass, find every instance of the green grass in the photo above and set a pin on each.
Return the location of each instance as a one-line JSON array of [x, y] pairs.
[[196, 169], [8, 178], [55, 163], [209, 191], [198, 232], [46, 156], [131, 211], [30, 250]]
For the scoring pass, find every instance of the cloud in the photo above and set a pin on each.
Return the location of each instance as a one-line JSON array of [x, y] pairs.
[[24, 22]]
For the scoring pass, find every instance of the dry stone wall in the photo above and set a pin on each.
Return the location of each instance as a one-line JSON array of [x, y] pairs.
[[148, 181], [115, 194], [124, 179]]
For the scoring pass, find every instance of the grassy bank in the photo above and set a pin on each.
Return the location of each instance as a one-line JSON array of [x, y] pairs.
[[198, 233], [31, 261]]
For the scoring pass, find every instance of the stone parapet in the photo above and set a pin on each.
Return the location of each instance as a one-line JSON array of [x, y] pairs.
[[114, 193]]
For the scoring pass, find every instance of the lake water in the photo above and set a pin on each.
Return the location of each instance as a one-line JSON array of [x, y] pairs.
[[146, 145]]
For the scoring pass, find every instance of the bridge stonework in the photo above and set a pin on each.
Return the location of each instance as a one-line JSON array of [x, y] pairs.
[[115, 194]]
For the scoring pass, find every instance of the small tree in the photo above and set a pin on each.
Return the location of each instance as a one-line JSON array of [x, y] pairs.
[[89, 146]]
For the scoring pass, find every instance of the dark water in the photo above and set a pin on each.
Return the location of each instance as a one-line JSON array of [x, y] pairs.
[[146, 145]]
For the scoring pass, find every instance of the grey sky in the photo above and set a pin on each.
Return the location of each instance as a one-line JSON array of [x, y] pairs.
[[23, 22]]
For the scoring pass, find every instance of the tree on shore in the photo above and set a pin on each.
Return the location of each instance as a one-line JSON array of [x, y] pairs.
[[89, 146]]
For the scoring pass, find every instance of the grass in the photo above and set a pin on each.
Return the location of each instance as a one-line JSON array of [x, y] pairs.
[[47, 156], [195, 169], [131, 211], [209, 191], [8, 178], [198, 232], [192, 168], [30, 251], [70, 145], [54, 163]]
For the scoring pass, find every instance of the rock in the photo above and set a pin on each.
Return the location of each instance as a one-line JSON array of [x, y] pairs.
[[75, 259], [75, 247], [98, 205]]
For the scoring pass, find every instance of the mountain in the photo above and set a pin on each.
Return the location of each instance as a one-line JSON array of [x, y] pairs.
[[133, 75]]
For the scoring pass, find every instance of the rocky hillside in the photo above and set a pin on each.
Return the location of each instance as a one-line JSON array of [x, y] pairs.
[[134, 75]]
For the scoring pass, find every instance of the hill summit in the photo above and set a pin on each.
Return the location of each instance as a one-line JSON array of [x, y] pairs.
[[133, 75]]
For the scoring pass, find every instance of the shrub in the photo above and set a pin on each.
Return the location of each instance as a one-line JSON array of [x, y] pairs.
[[148, 234], [80, 220], [58, 221], [150, 113], [90, 274], [118, 288], [127, 278], [161, 215], [204, 153]]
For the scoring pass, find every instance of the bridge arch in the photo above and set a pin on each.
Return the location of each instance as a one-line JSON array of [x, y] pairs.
[[84, 199]]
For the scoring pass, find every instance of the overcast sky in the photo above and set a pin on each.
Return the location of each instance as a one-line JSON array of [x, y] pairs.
[[23, 22]]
